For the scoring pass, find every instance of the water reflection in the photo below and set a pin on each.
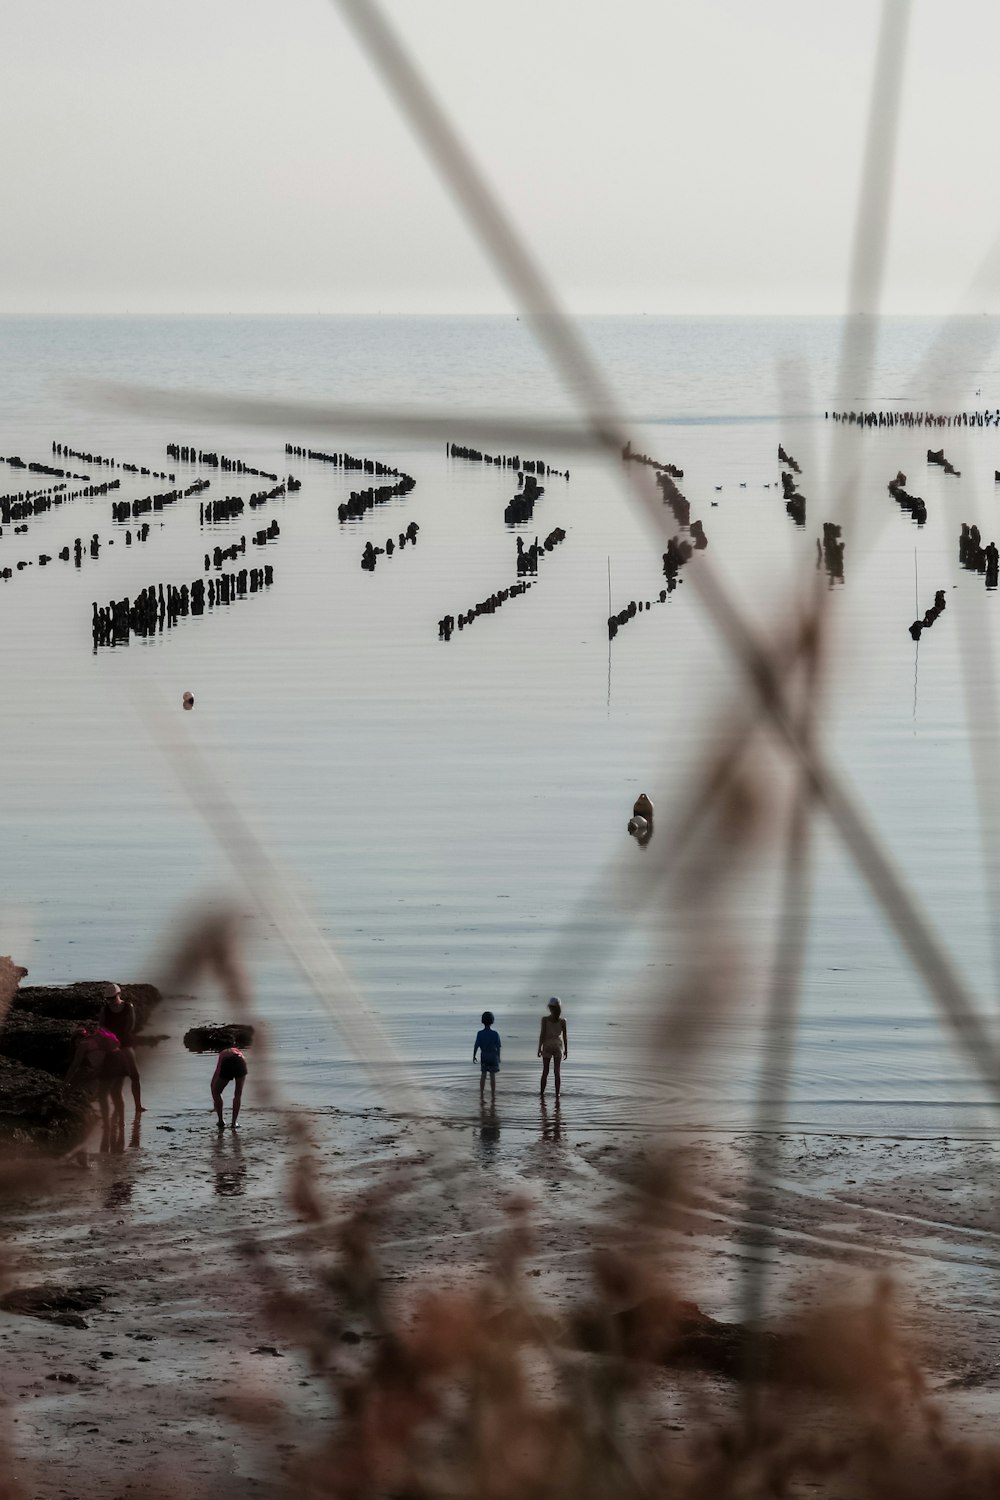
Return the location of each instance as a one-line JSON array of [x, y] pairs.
[[489, 1134], [112, 1141], [551, 1124], [113, 1133], [230, 1168], [119, 1194], [641, 830]]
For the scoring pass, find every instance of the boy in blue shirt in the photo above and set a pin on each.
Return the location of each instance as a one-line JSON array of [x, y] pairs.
[[488, 1046]]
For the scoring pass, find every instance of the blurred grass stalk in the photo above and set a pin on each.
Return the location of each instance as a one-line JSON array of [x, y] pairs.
[[485, 1390]]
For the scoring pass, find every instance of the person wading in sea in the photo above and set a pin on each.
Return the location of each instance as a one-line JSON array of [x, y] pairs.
[[487, 1044], [553, 1043]]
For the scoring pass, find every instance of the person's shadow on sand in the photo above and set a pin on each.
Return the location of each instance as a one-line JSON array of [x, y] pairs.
[[230, 1168]]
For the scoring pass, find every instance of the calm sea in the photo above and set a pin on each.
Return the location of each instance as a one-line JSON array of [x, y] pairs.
[[455, 812]]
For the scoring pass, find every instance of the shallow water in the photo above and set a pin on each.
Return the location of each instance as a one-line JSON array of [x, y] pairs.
[[456, 811]]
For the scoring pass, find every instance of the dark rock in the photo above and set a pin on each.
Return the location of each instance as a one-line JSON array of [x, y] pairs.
[[216, 1036], [54, 1302], [39, 1041], [82, 1001], [679, 1335], [35, 1106]]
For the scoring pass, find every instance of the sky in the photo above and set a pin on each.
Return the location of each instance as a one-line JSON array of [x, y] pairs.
[[203, 156]]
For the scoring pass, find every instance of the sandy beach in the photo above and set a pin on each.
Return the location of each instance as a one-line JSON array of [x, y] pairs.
[[182, 1379]]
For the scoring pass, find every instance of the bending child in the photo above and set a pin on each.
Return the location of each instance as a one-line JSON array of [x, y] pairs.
[[231, 1068]]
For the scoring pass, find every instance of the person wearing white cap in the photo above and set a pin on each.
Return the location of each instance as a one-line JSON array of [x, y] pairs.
[[553, 1043]]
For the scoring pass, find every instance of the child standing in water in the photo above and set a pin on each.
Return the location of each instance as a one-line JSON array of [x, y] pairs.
[[553, 1044], [488, 1046]]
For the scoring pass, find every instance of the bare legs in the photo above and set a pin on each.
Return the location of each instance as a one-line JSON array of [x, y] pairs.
[[551, 1126], [133, 1073], [556, 1061], [482, 1087], [113, 1128], [217, 1088]]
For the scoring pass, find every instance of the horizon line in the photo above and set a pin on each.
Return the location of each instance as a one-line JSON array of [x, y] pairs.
[[484, 313]]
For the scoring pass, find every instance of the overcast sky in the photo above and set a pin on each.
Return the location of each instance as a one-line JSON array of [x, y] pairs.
[[240, 156]]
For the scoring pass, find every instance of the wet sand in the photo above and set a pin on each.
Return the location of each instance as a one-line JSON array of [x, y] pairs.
[[154, 1389]]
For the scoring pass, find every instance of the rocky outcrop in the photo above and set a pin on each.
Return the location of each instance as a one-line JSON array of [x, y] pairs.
[[911, 503], [663, 1331], [830, 552], [217, 1036], [54, 1302], [936, 456], [35, 1106], [37, 1041], [917, 419], [82, 1001], [919, 626], [505, 460], [520, 508], [160, 607]]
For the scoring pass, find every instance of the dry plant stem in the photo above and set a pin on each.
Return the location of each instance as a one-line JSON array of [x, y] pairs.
[[919, 942], [979, 689], [780, 1030], [577, 370], [858, 349], [316, 960], [321, 417], [313, 417], [666, 861], [553, 329], [871, 224]]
